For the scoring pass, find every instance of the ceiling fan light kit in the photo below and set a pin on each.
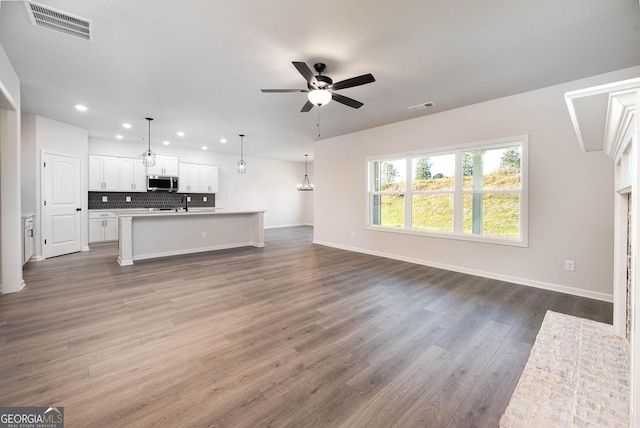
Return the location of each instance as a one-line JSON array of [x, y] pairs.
[[319, 97], [320, 88]]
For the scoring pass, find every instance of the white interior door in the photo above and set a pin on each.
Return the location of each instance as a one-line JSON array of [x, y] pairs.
[[61, 199]]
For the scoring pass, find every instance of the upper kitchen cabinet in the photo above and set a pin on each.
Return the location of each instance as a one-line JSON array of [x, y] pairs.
[[133, 176], [209, 181], [165, 165], [103, 173], [189, 178], [198, 178]]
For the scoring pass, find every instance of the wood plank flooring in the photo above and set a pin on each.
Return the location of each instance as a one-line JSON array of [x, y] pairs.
[[290, 335]]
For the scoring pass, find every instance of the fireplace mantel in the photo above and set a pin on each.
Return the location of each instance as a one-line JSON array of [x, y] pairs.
[[604, 118]]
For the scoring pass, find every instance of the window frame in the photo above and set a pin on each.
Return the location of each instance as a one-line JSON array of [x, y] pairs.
[[458, 192]]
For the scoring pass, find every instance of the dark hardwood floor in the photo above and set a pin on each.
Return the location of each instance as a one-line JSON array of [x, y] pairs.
[[293, 334]]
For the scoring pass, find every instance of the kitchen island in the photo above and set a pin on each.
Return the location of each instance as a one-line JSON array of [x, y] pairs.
[[146, 235]]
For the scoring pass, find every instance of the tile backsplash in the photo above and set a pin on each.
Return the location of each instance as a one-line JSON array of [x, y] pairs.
[[118, 200]]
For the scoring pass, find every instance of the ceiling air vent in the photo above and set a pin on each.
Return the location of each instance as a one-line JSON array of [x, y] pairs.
[[421, 106], [58, 21]]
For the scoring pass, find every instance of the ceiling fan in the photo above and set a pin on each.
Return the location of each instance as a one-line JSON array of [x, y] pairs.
[[320, 87]]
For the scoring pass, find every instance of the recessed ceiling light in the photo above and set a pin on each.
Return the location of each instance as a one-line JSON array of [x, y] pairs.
[[180, 134], [81, 107], [126, 125], [204, 147], [119, 137], [166, 143], [223, 140]]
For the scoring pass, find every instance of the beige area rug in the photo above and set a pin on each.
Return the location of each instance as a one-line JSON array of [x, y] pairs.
[[577, 376]]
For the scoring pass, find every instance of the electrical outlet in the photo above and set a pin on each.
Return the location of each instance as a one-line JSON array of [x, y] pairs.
[[104, 199], [127, 199], [569, 265], [204, 199], [188, 198], [204, 235]]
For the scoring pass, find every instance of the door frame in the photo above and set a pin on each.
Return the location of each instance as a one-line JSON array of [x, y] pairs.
[[84, 228]]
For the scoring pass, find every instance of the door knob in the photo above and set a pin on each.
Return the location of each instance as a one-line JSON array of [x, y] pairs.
[[78, 209]]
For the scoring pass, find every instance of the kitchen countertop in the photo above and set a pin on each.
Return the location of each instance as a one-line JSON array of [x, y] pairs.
[[148, 210], [192, 211]]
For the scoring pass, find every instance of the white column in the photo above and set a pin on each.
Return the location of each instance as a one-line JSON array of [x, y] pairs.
[[634, 417], [125, 241], [10, 204], [258, 234]]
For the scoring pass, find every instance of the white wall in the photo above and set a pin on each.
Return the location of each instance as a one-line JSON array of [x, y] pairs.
[[10, 213], [28, 164], [268, 184], [43, 134], [570, 193], [308, 197]]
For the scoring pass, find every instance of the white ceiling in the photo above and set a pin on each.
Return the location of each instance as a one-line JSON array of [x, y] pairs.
[[199, 65]]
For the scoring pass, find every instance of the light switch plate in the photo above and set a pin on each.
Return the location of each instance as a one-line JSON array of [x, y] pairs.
[[188, 198], [127, 199], [204, 199], [104, 199]]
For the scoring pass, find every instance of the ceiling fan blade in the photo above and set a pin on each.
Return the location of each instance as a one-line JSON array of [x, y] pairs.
[[354, 81], [346, 100], [283, 90], [306, 107], [306, 73]]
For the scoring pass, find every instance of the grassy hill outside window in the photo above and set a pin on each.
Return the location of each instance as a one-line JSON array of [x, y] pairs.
[[472, 192]]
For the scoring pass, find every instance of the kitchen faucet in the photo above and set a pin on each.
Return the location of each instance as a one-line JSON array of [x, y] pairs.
[[185, 199]]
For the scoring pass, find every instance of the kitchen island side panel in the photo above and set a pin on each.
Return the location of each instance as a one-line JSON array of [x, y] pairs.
[[158, 235]]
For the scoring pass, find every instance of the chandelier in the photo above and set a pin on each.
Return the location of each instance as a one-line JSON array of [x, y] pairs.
[[306, 183]]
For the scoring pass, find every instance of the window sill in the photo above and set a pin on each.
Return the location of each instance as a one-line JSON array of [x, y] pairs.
[[450, 235]]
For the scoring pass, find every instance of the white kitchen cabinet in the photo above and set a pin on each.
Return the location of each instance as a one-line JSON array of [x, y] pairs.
[[133, 175], [209, 181], [103, 173], [165, 165], [27, 238], [198, 178], [189, 178], [103, 226]]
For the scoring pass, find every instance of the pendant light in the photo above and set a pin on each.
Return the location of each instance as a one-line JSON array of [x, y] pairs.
[[149, 157], [306, 183], [242, 165]]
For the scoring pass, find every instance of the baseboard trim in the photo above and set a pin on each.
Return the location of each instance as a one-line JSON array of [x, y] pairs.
[[280, 226], [491, 275], [193, 251]]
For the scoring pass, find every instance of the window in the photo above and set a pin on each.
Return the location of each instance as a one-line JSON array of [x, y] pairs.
[[475, 192], [388, 195]]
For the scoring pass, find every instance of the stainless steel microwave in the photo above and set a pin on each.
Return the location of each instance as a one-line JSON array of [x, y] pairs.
[[162, 183]]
